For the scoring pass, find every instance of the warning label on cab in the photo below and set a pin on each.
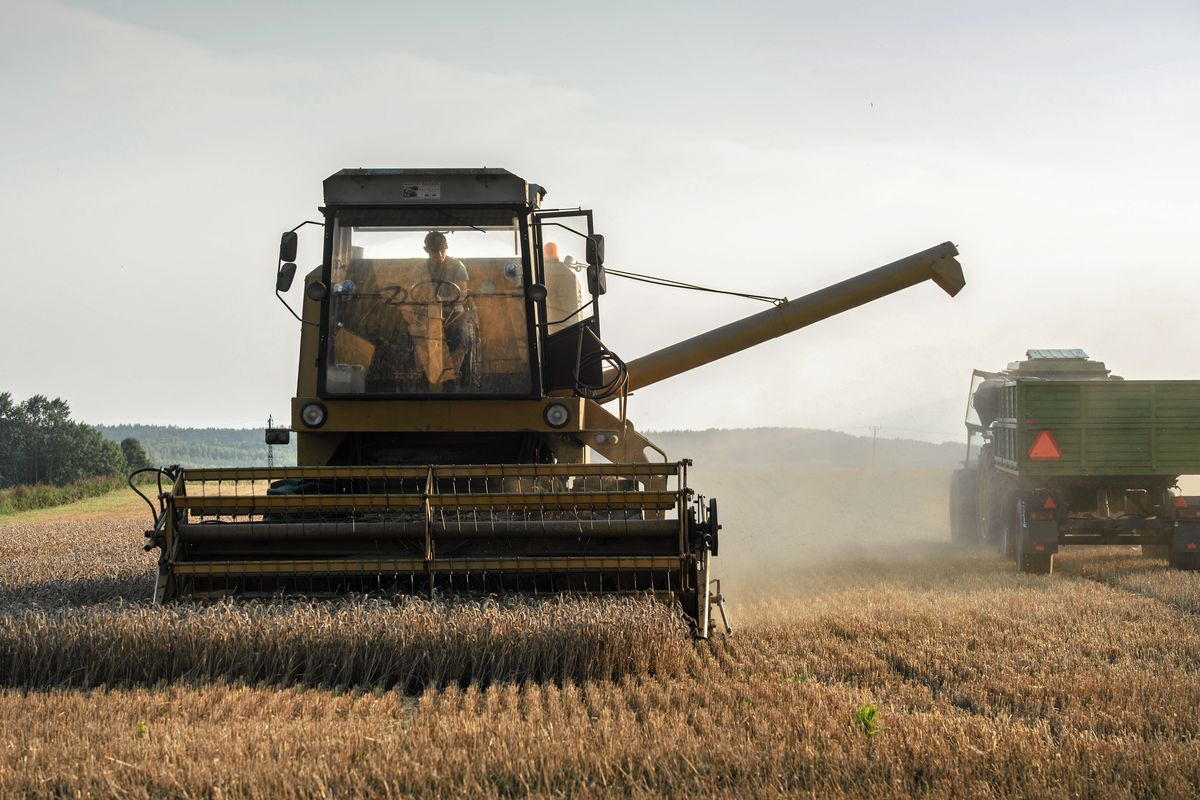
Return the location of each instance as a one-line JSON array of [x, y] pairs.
[[431, 190]]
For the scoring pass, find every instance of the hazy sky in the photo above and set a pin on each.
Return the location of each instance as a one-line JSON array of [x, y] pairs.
[[151, 152]]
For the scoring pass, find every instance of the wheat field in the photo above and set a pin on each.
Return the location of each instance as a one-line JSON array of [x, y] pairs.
[[870, 658]]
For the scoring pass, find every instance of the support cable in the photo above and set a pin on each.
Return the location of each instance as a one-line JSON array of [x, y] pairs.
[[674, 284]]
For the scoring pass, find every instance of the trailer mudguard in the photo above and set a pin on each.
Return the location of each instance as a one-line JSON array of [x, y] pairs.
[[1185, 541], [1039, 525], [1041, 536]]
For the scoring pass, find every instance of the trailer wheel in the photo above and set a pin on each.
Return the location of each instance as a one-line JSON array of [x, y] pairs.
[[1000, 507], [1008, 543], [1188, 562], [1028, 562], [964, 506], [1036, 564]]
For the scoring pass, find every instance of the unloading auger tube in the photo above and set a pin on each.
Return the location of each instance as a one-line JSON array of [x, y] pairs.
[[450, 431], [937, 264]]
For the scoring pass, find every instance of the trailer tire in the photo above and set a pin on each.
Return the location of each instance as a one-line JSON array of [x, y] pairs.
[[1028, 562], [1001, 501], [1186, 562], [1037, 564], [964, 507], [1008, 542]]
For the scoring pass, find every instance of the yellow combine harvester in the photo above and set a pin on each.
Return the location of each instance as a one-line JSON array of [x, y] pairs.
[[452, 413]]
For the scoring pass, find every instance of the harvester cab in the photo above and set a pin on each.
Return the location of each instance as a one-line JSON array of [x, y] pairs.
[[460, 423], [456, 288]]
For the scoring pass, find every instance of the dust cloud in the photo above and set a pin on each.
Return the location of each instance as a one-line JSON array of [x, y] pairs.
[[791, 531], [804, 511], [781, 526]]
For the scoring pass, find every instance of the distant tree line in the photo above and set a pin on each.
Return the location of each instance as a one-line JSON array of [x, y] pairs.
[[202, 447], [41, 444]]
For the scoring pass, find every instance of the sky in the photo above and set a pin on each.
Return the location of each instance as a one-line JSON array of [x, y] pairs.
[[152, 152]]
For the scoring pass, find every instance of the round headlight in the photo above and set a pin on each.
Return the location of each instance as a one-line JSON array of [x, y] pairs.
[[313, 415], [556, 415], [315, 291]]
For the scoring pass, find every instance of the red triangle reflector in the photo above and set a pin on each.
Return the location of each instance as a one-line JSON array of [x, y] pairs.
[[1044, 448], [1049, 503], [1181, 502]]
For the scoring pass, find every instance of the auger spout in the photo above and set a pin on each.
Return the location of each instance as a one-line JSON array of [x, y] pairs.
[[936, 264]]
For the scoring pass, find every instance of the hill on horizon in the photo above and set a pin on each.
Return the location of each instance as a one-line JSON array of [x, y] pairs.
[[744, 448], [723, 448]]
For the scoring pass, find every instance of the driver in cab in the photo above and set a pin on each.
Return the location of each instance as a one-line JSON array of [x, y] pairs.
[[421, 334], [443, 269], [448, 354]]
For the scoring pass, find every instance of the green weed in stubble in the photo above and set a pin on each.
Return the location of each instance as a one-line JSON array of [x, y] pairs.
[[866, 719]]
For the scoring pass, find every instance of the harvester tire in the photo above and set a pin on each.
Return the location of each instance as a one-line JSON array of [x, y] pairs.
[[964, 506]]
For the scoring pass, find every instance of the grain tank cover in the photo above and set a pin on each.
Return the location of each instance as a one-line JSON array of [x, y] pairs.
[[425, 187], [1063, 364]]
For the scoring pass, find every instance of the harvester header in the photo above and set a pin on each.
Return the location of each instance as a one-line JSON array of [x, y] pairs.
[[452, 432]]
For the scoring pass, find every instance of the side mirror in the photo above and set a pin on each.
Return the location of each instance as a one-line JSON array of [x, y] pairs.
[[597, 283], [283, 281], [595, 250], [287, 246], [278, 435]]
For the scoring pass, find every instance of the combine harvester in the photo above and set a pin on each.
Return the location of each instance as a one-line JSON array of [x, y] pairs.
[[1060, 451], [460, 423]]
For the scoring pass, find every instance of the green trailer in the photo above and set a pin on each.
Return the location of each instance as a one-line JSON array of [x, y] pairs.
[[1062, 452]]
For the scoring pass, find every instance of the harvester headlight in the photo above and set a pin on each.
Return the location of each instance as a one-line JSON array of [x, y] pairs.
[[313, 415], [556, 415]]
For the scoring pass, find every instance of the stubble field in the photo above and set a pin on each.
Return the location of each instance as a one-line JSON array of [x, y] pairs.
[[845, 597]]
